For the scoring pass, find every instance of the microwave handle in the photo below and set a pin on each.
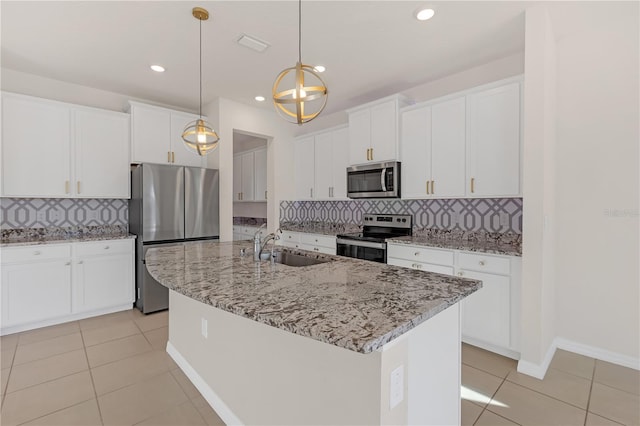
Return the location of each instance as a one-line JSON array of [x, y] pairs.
[[383, 180]]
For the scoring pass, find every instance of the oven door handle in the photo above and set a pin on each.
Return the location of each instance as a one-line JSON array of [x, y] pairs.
[[383, 180], [361, 243]]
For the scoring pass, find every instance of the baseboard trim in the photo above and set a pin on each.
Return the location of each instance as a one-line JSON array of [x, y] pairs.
[[597, 353], [222, 409], [539, 370]]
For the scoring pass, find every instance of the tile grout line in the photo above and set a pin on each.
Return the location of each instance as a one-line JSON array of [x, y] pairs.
[[93, 384]]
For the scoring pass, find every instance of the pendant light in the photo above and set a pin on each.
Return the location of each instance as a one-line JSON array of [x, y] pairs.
[[199, 136], [304, 101]]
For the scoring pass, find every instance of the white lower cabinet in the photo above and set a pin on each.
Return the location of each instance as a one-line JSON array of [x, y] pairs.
[[243, 232], [490, 316], [319, 243], [49, 284]]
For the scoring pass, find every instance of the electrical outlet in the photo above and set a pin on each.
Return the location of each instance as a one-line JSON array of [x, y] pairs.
[[504, 219], [204, 326], [396, 388]]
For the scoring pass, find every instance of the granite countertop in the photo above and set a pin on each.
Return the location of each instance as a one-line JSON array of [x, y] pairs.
[[350, 303], [483, 246], [57, 235]]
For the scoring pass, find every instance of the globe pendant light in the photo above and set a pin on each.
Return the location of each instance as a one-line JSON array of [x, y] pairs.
[[305, 101], [199, 136]]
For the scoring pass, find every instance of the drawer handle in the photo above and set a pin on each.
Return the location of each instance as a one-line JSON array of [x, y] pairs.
[[67, 264], [81, 262], [416, 253], [37, 253], [417, 266], [481, 263], [106, 247], [315, 248], [461, 274], [316, 240]]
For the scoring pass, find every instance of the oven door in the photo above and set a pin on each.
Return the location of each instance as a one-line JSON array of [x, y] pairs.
[[365, 250]]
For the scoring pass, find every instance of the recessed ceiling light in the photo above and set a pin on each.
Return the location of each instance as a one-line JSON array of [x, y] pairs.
[[319, 68], [259, 98], [253, 43], [425, 14], [157, 68]]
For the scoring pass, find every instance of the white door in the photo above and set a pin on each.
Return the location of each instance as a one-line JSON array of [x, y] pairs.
[[248, 184], [384, 132], [150, 135], [181, 155], [35, 291], [304, 168], [416, 152], [494, 141], [102, 282], [35, 148], [237, 177], [359, 136], [260, 168], [340, 162], [486, 313], [323, 149], [448, 148], [101, 154]]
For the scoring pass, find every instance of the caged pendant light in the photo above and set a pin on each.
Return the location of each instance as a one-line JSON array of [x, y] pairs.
[[297, 105], [198, 135]]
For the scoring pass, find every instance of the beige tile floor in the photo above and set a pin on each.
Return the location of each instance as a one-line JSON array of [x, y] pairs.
[[113, 370]]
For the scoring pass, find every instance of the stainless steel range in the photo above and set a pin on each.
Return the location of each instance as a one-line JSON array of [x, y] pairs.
[[370, 244]]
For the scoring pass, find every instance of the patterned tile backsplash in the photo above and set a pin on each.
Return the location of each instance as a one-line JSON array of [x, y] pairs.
[[19, 213], [476, 214]]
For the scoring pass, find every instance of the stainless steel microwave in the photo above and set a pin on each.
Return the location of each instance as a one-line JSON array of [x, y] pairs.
[[376, 180]]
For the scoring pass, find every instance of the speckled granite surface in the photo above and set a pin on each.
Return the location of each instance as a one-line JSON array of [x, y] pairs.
[[318, 227], [350, 303], [249, 221], [497, 243], [52, 235]]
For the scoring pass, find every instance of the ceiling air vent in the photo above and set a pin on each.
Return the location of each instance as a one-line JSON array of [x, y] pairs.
[[253, 43]]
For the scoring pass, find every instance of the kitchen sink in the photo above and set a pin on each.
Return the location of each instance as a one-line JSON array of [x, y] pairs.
[[292, 259]]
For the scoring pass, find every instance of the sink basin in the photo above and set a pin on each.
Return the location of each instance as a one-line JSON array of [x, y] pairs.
[[292, 259]]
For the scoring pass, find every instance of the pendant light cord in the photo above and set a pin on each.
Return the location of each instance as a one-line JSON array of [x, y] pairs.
[[300, 31], [200, 110]]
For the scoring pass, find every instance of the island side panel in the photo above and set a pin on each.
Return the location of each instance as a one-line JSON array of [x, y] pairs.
[[264, 375]]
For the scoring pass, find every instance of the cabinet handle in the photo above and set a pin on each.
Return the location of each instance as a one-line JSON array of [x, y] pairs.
[[106, 247], [416, 253], [67, 264], [173, 157], [427, 190], [78, 186], [433, 187], [81, 262], [265, 195], [473, 181], [37, 253], [310, 192], [371, 153], [460, 274], [481, 263], [168, 156], [66, 186], [316, 248], [368, 154]]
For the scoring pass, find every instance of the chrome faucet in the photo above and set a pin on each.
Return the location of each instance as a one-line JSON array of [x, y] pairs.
[[273, 237], [257, 243]]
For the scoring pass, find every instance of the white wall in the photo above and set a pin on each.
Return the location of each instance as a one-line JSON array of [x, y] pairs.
[[250, 210], [597, 182], [228, 116]]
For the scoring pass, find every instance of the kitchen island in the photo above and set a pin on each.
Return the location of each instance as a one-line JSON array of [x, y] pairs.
[[341, 342]]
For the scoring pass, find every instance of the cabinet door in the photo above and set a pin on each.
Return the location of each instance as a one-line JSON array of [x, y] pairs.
[[260, 176], [35, 148], [340, 162], [150, 130], [494, 141], [237, 177], [101, 154], [35, 291], [384, 132], [181, 155], [448, 148], [103, 281], [416, 152], [486, 313], [248, 184], [359, 136], [304, 168], [323, 156]]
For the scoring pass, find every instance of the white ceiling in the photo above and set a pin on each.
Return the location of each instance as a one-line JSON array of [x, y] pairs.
[[370, 48]]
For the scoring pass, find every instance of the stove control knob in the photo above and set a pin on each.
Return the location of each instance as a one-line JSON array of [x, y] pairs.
[[404, 220]]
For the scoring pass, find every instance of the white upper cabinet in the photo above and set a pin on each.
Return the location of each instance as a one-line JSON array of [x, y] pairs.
[[102, 154], [340, 162], [467, 145], [323, 155], [304, 168], [493, 132], [373, 130], [250, 175], [156, 136], [36, 142], [77, 151]]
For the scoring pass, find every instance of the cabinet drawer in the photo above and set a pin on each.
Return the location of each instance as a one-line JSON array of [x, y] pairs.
[[94, 248], [36, 252], [290, 237], [421, 266], [484, 263], [318, 240], [318, 249], [421, 254]]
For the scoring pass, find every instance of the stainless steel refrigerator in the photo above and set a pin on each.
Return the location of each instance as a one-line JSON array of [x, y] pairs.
[[169, 205]]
